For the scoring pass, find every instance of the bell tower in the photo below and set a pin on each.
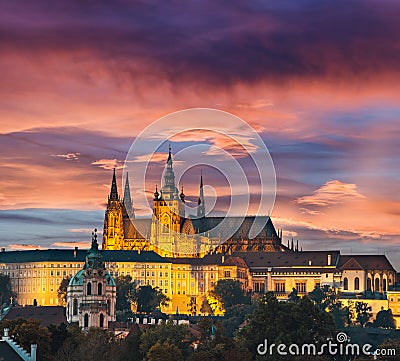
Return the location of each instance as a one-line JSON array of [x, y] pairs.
[[113, 232], [168, 212]]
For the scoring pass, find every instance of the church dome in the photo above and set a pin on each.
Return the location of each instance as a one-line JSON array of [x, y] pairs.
[[77, 280]]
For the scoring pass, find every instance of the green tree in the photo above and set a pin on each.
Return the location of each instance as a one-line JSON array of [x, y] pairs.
[[97, 345], [125, 292], [149, 299], [235, 316], [6, 291], [28, 332], [384, 319], [62, 291], [164, 352], [166, 332], [293, 297], [286, 322], [230, 293], [130, 346], [362, 312]]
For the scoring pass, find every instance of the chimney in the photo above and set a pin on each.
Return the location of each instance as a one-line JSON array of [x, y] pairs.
[[329, 259], [6, 332], [309, 262], [75, 251], [33, 352], [222, 259]]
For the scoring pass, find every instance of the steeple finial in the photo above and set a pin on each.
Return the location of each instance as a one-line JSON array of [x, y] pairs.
[[114, 191], [169, 153], [201, 209], [182, 195]]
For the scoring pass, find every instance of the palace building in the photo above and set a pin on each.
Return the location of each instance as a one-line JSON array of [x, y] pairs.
[[172, 234], [184, 257]]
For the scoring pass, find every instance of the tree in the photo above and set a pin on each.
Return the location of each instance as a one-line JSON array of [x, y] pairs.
[[166, 332], [164, 352], [130, 346], [62, 291], [6, 291], [235, 316], [293, 297], [125, 292], [286, 322], [362, 313], [384, 319], [98, 345], [28, 332], [149, 299], [230, 293]]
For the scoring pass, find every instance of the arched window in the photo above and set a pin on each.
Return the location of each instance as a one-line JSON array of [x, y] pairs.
[[356, 284], [89, 289], [377, 285], [384, 287], [99, 289], [108, 307], [86, 321], [369, 284], [345, 284], [75, 307], [101, 320]]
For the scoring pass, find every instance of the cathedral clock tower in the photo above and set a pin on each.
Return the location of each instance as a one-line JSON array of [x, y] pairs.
[[168, 213]]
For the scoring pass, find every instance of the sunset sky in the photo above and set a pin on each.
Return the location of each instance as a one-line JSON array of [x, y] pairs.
[[318, 80]]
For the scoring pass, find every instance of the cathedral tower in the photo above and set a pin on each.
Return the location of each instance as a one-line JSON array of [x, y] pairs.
[[113, 232], [169, 210]]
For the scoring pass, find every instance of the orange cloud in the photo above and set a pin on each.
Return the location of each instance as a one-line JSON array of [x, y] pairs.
[[332, 192]]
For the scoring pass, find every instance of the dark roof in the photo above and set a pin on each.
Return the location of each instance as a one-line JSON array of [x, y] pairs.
[[7, 353], [70, 255], [47, 315], [210, 259], [242, 224], [367, 262], [140, 228], [288, 259]]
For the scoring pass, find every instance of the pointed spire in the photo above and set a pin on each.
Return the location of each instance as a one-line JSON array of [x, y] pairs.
[[201, 209], [169, 190], [128, 207], [114, 192], [169, 154]]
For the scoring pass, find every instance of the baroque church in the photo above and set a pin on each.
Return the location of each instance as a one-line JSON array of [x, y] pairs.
[[172, 234]]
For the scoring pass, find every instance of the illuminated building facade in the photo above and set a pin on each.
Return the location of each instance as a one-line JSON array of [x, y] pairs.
[[171, 234]]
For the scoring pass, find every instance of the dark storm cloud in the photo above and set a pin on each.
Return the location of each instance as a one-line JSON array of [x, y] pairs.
[[210, 41]]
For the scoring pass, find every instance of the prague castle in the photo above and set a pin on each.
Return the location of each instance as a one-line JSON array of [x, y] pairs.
[[171, 234], [184, 257]]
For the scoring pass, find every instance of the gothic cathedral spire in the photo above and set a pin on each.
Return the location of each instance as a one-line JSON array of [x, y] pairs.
[[114, 192], [113, 231], [127, 202], [201, 209]]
